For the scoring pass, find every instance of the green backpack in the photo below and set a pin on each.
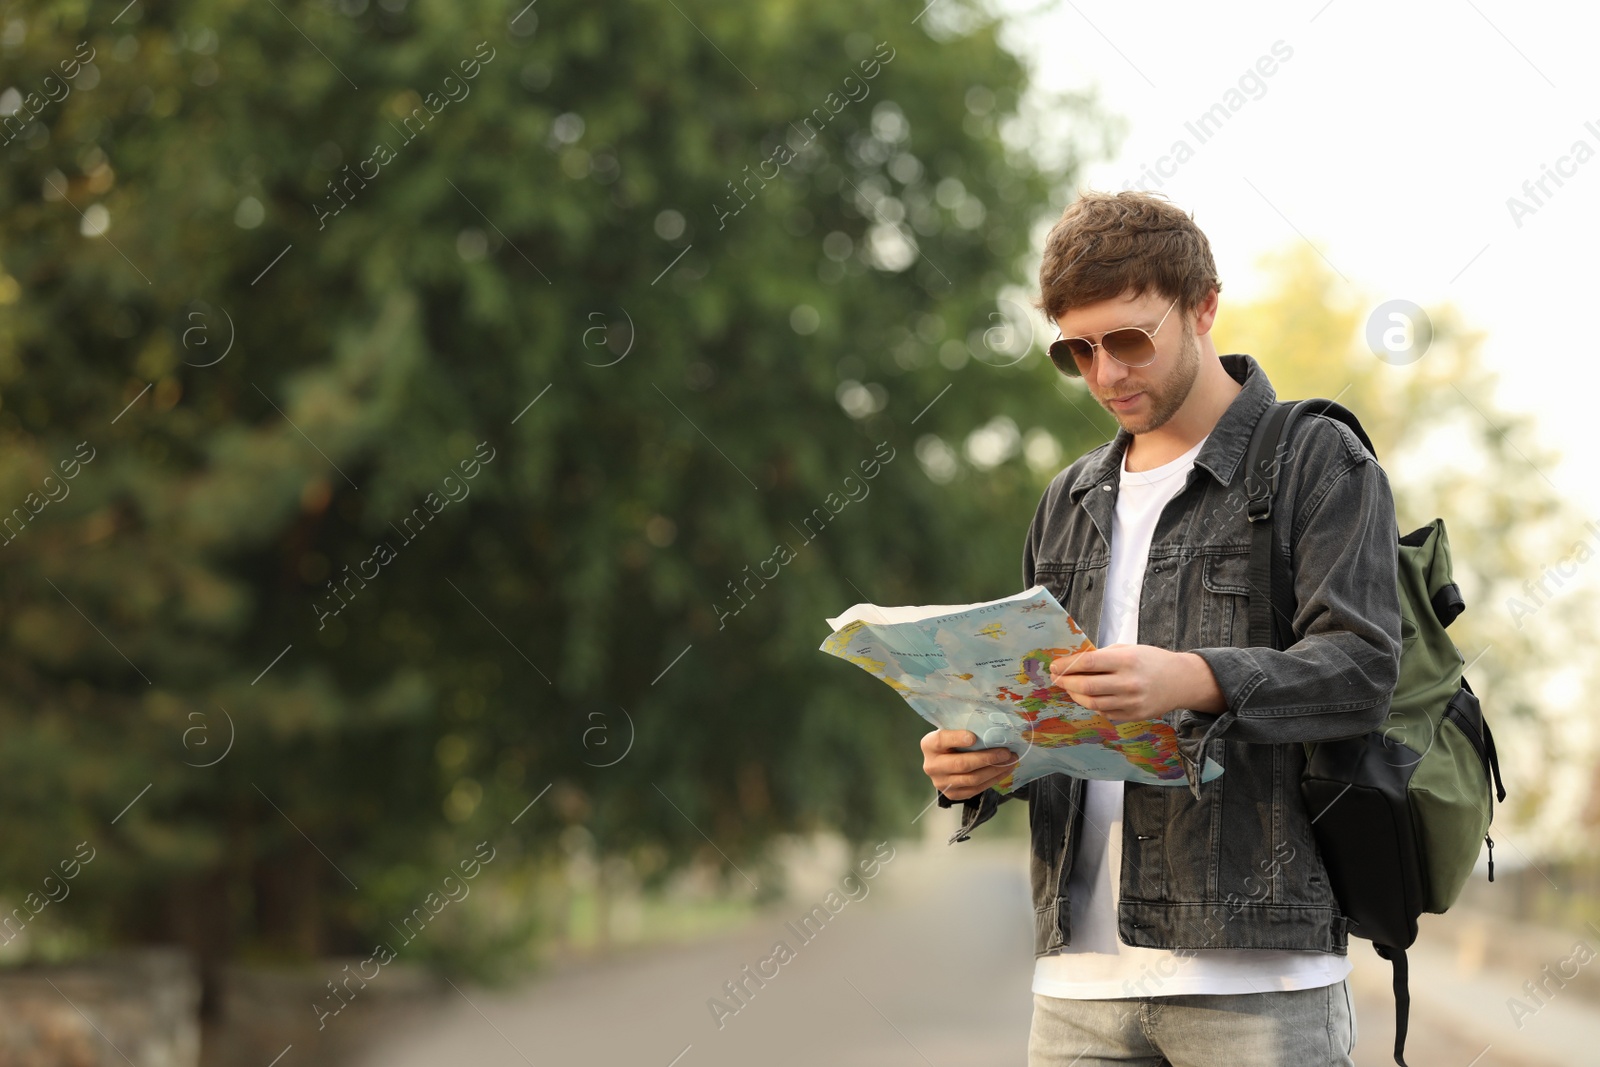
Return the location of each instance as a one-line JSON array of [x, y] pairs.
[[1399, 814]]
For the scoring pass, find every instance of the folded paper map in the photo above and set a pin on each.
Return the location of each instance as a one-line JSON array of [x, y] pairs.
[[986, 668]]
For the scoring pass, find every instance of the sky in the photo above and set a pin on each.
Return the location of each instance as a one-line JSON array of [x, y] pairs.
[[1389, 136]]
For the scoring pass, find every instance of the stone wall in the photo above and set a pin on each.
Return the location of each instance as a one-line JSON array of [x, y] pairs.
[[139, 1007]]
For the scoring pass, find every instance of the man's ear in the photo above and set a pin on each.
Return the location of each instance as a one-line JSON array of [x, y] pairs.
[[1206, 313]]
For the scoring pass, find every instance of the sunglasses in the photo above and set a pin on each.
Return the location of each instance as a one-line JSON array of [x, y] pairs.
[[1130, 346]]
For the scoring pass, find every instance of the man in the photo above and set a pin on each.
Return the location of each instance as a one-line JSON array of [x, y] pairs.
[[1189, 925]]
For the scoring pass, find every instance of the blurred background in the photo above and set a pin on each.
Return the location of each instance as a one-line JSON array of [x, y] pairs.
[[405, 406]]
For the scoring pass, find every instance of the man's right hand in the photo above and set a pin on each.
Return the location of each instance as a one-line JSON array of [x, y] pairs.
[[959, 775]]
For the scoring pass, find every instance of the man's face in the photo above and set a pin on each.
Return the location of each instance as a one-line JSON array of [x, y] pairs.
[[1141, 399]]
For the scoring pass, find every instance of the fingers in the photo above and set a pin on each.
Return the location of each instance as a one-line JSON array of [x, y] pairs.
[[962, 786], [947, 740], [1078, 663], [945, 764], [1091, 685], [959, 775], [943, 749], [1110, 659], [967, 762], [1108, 702]]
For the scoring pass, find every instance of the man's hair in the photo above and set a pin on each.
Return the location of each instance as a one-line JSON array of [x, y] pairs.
[[1106, 244]]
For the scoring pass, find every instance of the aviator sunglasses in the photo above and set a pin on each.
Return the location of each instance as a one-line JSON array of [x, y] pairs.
[[1130, 346]]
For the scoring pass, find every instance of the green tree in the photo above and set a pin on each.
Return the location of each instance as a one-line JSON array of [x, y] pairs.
[[299, 272]]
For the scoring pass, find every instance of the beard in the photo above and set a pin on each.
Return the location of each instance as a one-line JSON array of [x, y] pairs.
[[1164, 396]]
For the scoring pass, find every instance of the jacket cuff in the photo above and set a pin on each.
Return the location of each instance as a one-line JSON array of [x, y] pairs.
[[1195, 730], [1237, 676], [1237, 673], [975, 811]]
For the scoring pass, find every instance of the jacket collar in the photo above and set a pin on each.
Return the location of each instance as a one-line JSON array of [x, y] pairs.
[[1224, 450]]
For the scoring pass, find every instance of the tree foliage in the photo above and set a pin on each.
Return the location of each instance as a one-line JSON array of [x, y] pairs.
[[466, 283]]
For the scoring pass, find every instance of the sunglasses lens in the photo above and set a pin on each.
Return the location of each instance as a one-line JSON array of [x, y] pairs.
[[1071, 355], [1130, 347]]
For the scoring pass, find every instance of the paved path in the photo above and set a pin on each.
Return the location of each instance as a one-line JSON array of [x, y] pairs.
[[1459, 1012], [931, 969]]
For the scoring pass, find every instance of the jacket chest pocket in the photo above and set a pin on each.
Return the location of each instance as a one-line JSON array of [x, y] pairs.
[[1225, 600], [1065, 581], [1080, 589]]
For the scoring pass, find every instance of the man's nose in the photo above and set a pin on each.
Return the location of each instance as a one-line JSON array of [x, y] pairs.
[[1108, 372]]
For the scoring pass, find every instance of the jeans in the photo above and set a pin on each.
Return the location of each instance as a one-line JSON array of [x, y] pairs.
[[1302, 1027]]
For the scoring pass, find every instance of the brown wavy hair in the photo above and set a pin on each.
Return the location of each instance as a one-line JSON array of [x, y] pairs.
[[1106, 244]]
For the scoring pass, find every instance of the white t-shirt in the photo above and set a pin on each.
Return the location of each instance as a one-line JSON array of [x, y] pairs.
[[1097, 964]]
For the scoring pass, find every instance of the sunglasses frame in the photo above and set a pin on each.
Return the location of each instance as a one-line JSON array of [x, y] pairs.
[[1071, 367]]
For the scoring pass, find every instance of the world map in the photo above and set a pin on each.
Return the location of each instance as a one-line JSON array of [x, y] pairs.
[[986, 668]]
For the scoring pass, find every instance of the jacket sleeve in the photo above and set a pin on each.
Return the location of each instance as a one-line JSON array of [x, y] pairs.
[[1337, 679], [977, 810]]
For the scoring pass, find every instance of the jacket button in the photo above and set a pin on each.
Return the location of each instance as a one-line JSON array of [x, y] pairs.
[[1106, 487]]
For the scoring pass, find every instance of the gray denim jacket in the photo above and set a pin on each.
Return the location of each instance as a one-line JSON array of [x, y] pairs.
[[1229, 863]]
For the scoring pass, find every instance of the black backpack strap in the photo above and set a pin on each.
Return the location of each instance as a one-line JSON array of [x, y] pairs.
[[1261, 485], [1494, 762], [1402, 998], [1493, 756], [1271, 590]]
